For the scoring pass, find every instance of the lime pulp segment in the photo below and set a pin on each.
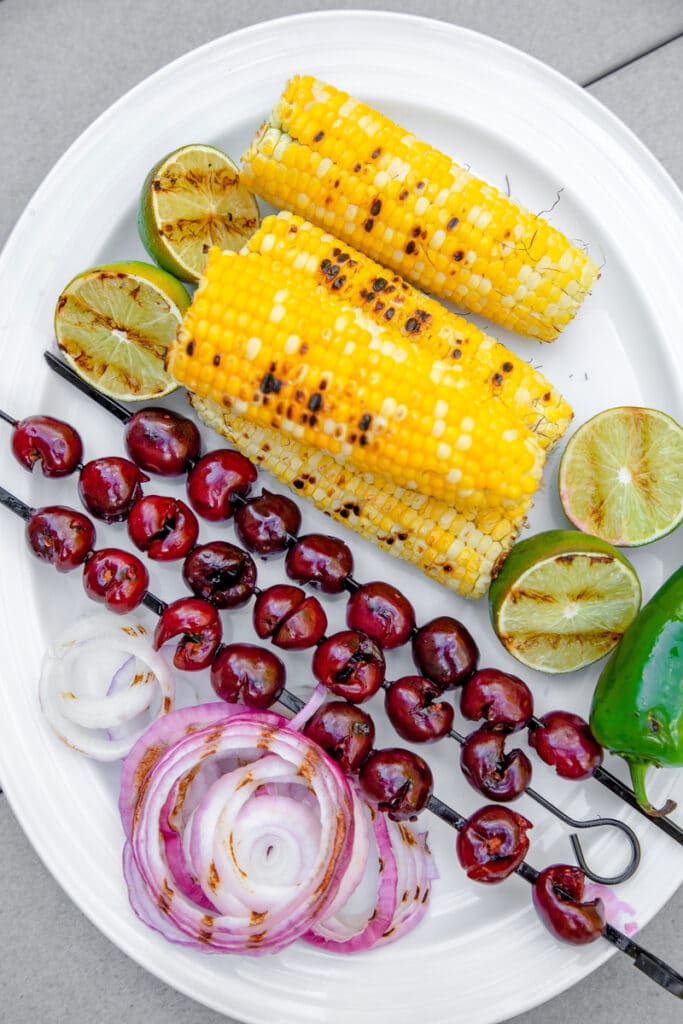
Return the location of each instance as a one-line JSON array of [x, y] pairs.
[[115, 325], [191, 201], [621, 476]]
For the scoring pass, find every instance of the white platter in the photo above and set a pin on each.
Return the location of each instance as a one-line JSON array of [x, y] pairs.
[[481, 954]]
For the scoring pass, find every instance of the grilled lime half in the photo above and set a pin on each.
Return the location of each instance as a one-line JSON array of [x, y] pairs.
[[621, 476], [562, 600], [114, 323], [191, 200]]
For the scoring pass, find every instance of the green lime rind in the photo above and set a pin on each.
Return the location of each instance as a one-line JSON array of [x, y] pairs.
[[191, 200], [621, 476], [562, 600], [114, 323]]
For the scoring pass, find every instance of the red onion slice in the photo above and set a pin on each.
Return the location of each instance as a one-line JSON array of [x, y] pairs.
[[392, 896], [263, 903], [95, 714]]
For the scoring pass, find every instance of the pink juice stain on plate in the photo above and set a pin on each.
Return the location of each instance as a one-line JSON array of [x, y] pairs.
[[619, 913]]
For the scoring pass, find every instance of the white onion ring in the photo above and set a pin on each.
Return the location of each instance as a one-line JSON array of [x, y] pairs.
[[101, 717], [257, 907]]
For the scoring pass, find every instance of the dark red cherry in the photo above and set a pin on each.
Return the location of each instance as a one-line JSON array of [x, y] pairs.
[[558, 895], [565, 741], [416, 711], [350, 664], [292, 620], [162, 441], [445, 652], [60, 536], [344, 731], [488, 768], [197, 624], [398, 781], [249, 673], [382, 612], [323, 561], [497, 698], [266, 523], [216, 479], [51, 442], [492, 843], [110, 487], [221, 573], [165, 528], [116, 579]]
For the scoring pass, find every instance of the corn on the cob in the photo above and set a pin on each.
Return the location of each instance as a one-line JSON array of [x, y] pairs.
[[257, 340], [455, 549], [353, 278], [348, 168]]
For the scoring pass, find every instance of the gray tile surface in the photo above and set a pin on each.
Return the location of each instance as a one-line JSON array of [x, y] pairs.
[[61, 63]]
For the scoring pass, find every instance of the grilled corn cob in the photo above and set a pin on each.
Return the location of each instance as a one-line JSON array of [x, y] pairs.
[[257, 340], [355, 279], [348, 168], [455, 549]]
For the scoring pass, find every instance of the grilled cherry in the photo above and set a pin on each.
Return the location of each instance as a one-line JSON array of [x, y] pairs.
[[53, 443], [291, 620], [397, 781], [488, 768], [163, 527], [324, 561], [197, 624], [445, 652], [344, 731], [249, 673], [110, 487], [350, 664], [566, 742], [215, 480], [60, 536], [416, 713], [558, 897], [492, 843], [265, 523], [116, 579], [382, 612], [221, 573], [497, 698], [162, 441]]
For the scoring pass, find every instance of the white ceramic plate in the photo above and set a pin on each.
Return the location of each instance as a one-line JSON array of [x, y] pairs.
[[481, 955]]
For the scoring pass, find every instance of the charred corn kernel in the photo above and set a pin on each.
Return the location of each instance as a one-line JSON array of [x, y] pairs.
[[457, 549], [413, 209], [355, 279], [335, 386]]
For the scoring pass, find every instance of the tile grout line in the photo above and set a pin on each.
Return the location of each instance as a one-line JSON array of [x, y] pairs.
[[631, 60]]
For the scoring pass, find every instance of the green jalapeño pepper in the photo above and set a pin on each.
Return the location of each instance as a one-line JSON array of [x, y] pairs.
[[638, 702]]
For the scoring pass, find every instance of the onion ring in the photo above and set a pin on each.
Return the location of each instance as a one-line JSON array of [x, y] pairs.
[[264, 883], [101, 717]]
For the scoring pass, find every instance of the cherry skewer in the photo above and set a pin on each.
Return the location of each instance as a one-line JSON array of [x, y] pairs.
[[600, 774], [648, 963], [342, 580]]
